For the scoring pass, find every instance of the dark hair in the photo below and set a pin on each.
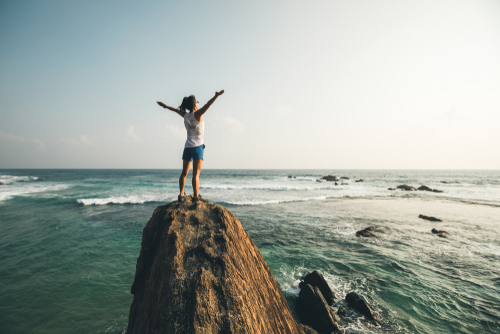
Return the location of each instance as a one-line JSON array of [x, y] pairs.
[[188, 103]]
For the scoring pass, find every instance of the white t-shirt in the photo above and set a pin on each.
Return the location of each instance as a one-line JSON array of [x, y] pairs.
[[195, 130]]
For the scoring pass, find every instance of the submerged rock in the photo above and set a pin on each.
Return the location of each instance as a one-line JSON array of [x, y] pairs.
[[291, 177], [440, 233], [344, 184], [367, 232], [360, 305], [360, 180], [406, 187], [425, 188], [344, 178], [432, 219], [391, 189], [200, 272], [314, 278], [314, 310], [330, 178]]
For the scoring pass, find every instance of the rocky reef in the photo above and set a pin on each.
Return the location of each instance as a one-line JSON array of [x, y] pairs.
[[200, 272]]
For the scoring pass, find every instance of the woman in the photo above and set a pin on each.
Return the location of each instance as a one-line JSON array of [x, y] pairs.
[[194, 147]]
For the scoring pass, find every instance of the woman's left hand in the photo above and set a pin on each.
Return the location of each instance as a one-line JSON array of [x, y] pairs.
[[219, 93]]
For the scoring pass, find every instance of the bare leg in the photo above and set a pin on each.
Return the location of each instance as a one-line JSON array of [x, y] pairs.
[[196, 175], [182, 180]]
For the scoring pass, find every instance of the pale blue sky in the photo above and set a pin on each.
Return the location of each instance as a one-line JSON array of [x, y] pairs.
[[309, 84]]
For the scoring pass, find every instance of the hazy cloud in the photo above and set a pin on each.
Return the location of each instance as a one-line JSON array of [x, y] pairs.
[[39, 144], [83, 140], [233, 124], [4, 137], [178, 133], [131, 133], [452, 114]]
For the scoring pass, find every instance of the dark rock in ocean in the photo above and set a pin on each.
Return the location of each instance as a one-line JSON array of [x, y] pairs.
[[405, 187], [344, 178], [424, 188], [317, 180], [291, 177], [1, 184], [314, 278], [344, 184], [367, 232], [391, 189], [341, 312], [330, 178], [306, 329], [314, 310], [432, 219], [200, 272], [437, 191], [360, 180], [336, 184], [360, 305], [440, 233]]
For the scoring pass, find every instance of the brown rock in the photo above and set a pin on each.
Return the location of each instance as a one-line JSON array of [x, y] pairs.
[[440, 233], [344, 177], [405, 187], [424, 188], [391, 189], [200, 272], [437, 191], [367, 232], [330, 178], [360, 180], [314, 278], [432, 219], [314, 310], [360, 305]]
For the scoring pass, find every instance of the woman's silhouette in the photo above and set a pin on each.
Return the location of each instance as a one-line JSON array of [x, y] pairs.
[[194, 147]]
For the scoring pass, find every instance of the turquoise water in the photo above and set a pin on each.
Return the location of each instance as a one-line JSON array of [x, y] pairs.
[[69, 241]]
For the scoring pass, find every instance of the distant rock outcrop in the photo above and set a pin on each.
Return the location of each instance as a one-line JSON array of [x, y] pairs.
[[432, 219], [360, 180], [425, 188], [330, 178], [367, 232], [406, 187], [200, 272], [440, 233]]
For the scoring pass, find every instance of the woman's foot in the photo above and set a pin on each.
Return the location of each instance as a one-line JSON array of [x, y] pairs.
[[182, 198]]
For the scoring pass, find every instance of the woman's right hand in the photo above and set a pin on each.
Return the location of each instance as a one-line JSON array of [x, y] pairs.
[[161, 104], [219, 93]]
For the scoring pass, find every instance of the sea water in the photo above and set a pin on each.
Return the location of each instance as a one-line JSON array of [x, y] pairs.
[[69, 242]]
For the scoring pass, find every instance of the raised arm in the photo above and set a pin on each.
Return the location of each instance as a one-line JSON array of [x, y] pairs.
[[198, 113], [171, 108]]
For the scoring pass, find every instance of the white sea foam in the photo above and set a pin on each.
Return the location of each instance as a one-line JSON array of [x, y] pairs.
[[7, 179], [131, 199], [9, 191], [270, 187]]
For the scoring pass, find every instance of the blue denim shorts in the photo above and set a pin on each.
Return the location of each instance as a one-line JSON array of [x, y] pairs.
[[191, 153]]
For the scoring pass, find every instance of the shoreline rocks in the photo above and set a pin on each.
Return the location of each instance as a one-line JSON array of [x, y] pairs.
[[440, 233], [406, 187], [314, 278], [315, 311], [367, 232], [330, 178], [200, 272]]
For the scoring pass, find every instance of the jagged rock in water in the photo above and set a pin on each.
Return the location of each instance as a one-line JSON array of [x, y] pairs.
[[360, 180], [314, 310], [314, 278], [291, 177], [391, 189], [344, 178], [330, 178], [200, 272], [367, 232], [304, 329], [406, 187], [437, 191], [424, 188], [360, 305], [440, 233], [432, 219]]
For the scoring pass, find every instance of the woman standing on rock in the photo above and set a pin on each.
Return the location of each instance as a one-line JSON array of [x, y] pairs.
[[194, 147]]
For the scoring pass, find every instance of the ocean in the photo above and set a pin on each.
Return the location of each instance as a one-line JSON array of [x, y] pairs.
[[69, 242]]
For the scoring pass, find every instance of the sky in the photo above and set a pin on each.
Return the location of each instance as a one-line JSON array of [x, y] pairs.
[[308, 84]]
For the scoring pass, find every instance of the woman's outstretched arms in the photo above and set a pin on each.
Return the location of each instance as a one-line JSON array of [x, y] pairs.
[[171, 108], [198, 113]]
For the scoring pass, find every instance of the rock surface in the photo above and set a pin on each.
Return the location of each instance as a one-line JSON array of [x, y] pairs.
[[360, 305], [425, 188], [314, 310], [314, 278], [330, 178], [306, 329], [367, 232], [432, 219], [360, 180], [200, 272]]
